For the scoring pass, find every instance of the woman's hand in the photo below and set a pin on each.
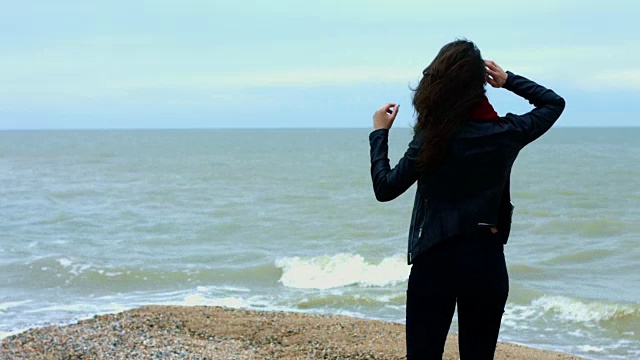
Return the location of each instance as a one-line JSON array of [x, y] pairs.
[[384, 117], [496, 77]]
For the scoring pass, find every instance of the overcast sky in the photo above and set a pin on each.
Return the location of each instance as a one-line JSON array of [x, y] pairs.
[[294, 63]]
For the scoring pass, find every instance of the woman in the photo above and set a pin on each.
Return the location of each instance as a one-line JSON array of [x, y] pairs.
[[461, 156]]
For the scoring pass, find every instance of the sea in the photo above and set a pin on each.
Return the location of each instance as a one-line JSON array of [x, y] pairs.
[[101, 221]]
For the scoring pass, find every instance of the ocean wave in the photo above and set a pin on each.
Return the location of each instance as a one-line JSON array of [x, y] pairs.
[[326, 272], [71, 272], [581, 257], [358, 300], [524, 269], [590, 349], [57, 265], [573, 310], [74, 268], [223, 288], [594, 228], [75, 272], [224, 296], [4, 334], [11, 304], [81, 308], [566, 309], [202, 300]]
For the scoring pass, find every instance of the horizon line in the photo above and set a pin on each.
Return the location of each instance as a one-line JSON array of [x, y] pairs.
[[276, 128]]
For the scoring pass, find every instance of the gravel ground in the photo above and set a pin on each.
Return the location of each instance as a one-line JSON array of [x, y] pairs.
[[174, 332]]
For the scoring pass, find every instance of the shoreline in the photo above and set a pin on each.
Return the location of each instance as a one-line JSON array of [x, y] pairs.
[[207, 332]]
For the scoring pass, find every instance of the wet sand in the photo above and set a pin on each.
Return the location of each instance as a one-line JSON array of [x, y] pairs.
[[201, 332]]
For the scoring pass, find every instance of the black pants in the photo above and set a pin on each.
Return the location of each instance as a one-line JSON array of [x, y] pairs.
[[469, 270]]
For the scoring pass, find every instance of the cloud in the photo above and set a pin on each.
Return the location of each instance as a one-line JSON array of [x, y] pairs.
[[628, 79], [294, 77], [566, 63], [582, 67], [112, 65], [388, 9], [122, 76], [227, 99]]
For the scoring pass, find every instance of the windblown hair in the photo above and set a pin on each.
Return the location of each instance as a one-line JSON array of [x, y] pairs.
[[450, 87]]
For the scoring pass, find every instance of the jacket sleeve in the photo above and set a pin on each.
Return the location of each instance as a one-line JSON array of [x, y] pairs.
[[389, 183], [548, 107]]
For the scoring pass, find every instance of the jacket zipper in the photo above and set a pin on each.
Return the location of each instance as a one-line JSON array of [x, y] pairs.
[[426, 202]]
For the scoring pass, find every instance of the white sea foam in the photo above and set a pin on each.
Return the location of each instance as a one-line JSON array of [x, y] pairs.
[[64, 262], [326, 272], [84, 308], [590, 349], [385, 298], [565, 309], [74, 268], [577, 333], [201, 300], [573, 310], [516, 313], [233, 288], [11, 304], [203, 297], [8, 333], [222, 288]]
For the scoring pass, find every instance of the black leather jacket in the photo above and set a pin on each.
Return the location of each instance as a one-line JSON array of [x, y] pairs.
[[471, 185]]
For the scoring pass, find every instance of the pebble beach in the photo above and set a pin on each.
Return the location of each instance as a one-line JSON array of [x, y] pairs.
[[205, 332]]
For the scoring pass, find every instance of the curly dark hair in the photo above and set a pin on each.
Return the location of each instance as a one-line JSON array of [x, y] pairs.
[[450, 87]]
